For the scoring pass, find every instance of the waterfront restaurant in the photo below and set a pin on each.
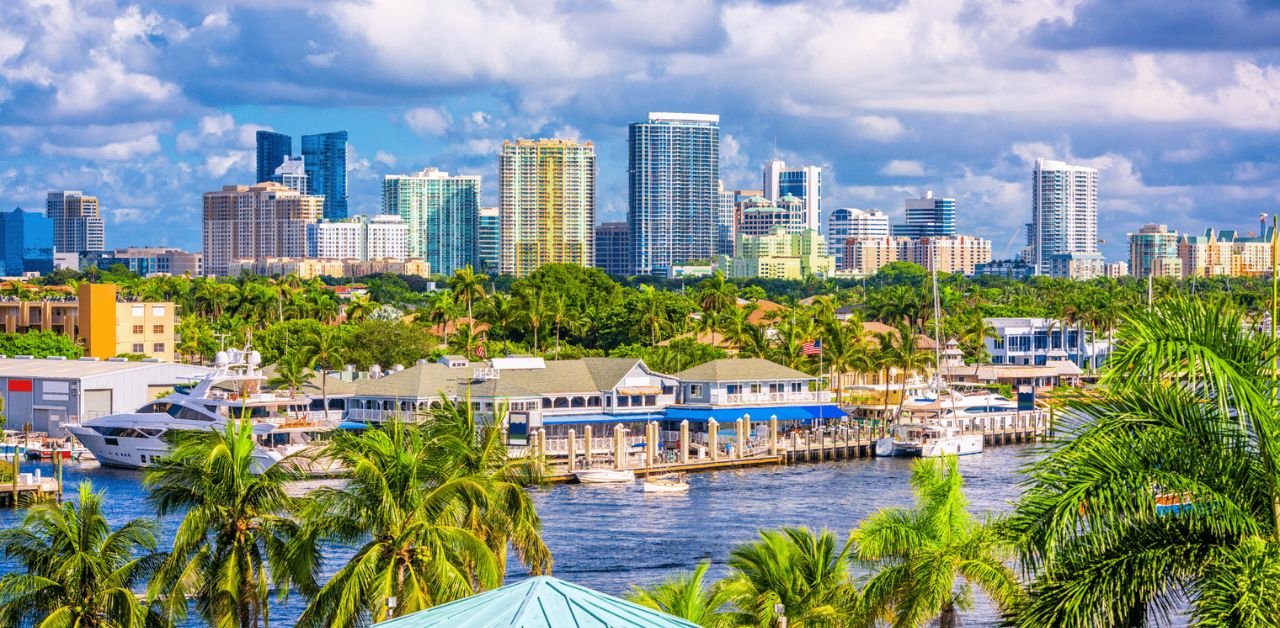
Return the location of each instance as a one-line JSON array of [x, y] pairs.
[[753, 390]]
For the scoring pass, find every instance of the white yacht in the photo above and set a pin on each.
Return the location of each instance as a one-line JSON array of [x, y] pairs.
[[234, 390], [928, 440]]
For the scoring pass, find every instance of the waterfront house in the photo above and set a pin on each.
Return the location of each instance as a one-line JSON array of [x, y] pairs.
[[1038, 341]]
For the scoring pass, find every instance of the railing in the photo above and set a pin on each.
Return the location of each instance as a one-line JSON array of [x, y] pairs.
[[768, 397]]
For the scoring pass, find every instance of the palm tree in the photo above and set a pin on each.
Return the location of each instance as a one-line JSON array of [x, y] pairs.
[[654, 317], [688, 597], [396, 508], [441, 309], [359, 308], [558, 310], [536, 312], [920, 554], [293, 370], [501, 313], [973, 337], [469, 285], [1164, 490], [325, 351], [716, 296], [906, 354], [807, 574], [236, 539], [77, 570]]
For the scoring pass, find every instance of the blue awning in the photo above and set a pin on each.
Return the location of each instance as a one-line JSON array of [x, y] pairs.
[[578, 419], [758, 413], [353, 425]]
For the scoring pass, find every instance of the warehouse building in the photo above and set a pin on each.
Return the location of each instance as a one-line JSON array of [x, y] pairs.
[[48, 393]]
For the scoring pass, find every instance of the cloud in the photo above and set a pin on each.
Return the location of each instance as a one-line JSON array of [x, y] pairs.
[[125, 216], [903, 168], [427, 120], [878, 128], [112, 151], [1163, 25], [385, 158]]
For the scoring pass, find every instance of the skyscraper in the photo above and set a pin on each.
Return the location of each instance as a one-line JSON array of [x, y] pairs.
[[326, 167], [361, 238], [27, 241], [489, 240], [547, 199], [443, 214], [1064, 212], [726, 221], [674, 168], [292, 173], [927, 217], [273, 149], [1153, 251], [612, 249], [803, 182], [265, 220], [77, 225], [850, 222]]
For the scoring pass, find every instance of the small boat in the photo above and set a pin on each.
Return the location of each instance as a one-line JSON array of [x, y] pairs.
[[670, 483], [604, 476], [44, 452]]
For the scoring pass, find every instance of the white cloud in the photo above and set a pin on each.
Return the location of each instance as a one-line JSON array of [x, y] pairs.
[[568, 132], [126, 215], [385, 158], [112, 151], [903, 168], [427, 120], [878, 128], [217, 166]]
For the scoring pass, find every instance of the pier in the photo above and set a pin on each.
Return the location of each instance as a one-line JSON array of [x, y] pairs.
[[657, 452]]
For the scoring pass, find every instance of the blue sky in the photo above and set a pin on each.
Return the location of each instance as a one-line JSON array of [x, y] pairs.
[[150, 104]]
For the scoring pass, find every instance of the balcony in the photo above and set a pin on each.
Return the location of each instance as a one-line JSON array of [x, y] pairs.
[[748, 398]]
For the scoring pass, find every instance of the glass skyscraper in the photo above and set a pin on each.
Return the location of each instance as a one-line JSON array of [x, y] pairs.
[[490, 239], [27, 240], [273, 148], [443, 214], [802, 182], [928, 217], [325, 156], [673, 176]]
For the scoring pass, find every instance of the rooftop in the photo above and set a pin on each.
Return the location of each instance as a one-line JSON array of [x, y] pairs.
[[740, 370], [75, 369]]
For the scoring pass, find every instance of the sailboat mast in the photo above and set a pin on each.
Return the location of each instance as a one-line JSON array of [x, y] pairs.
[[937, 334]]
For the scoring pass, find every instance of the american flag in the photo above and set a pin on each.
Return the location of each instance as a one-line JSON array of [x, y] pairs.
[[480, 350], [813, 347]]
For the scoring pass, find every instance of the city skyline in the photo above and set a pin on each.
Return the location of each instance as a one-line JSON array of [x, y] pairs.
[[149, 106]]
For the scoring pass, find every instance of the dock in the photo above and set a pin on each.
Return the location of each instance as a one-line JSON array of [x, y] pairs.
[[28, 492]]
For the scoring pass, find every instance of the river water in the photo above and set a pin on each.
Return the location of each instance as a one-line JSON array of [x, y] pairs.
[[610, 537]]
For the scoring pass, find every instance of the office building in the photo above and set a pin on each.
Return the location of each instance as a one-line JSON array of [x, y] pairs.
[[1226, 252], [927, 217], [850, 222], [102, 323], [273, 149], [325, 156], [1064, 213], [956, 254], [547, 198], [864, 256], [77, 225], [256, 222], [292, 174], [803, 183], [360, 238], [1116, 270], [312, 267], [1006, 268], [1153, 251], [489, 241], [1080, 266], [613, 248], [442, 213], [780, 254], [27, 240], [758, 216], [726, 221], [673, 171], [147, 261]]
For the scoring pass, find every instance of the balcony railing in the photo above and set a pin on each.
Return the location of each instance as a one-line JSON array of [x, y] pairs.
[[808, 396]]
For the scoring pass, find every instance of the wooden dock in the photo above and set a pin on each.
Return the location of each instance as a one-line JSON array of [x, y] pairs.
[[46, 489]]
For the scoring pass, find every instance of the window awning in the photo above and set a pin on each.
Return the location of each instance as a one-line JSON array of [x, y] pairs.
[[758, 413], [578, 419], [640, 390]]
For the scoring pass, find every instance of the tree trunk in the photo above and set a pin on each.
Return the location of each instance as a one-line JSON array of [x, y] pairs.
[[948, 617]]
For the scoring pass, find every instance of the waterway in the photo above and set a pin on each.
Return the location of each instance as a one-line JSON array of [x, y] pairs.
[[613, 537]]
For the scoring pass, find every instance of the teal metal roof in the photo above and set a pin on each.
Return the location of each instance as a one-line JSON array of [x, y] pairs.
[[539, 602]]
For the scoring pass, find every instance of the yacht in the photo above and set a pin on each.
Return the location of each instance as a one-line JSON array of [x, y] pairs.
[[233, 391], [928, 440]]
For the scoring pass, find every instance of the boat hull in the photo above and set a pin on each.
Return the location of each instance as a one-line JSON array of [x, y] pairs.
[[888, 447], [604, 476], [666, 487], [964, 445]]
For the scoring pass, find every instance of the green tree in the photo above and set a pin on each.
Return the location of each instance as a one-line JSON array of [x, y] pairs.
[[689, 597], [40, 344], [292, 371], [237, 537], [386, 343], [324, 350], [77, 571], [807, 574], [468, 285], [920, 553]]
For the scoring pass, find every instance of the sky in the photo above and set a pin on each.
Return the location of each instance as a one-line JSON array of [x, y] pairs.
[[150, 104]]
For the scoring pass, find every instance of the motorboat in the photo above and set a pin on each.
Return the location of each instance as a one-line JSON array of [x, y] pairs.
[[235, 390], [928, 440], [604, 476], [669, 483]]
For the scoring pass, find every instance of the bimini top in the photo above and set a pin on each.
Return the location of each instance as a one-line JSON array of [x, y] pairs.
[[539, 602]]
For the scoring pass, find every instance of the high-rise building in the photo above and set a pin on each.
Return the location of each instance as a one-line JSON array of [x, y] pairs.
[[726, 221], [27, 241], [927, 217], [850, 222], [1064, 212], [360, 238], [781, 254], [265, 220], [759, 216], [547, 198], [326, 168], [1226, 252], [803, 182], [273, 149], [1153, 251], [148, 261], [949, 254], [443, 214], [672, 175], [613, 248], [77, 225], [489, 240], [292, 174]]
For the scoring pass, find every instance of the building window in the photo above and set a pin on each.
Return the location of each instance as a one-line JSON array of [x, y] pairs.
[[157, 347], [695, 390], [138, 347], [137, 330], [157, 329], [157, 310], [138, 310], [755, 389]]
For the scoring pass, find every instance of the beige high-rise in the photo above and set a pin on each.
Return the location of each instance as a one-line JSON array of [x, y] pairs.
[[256, 222], [547, 197], [77, 223]]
